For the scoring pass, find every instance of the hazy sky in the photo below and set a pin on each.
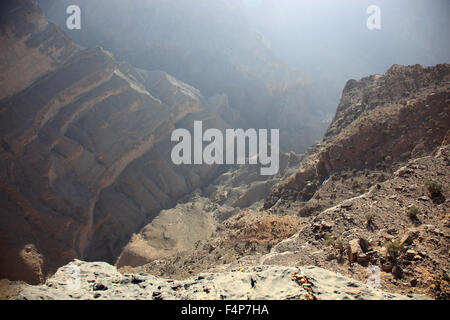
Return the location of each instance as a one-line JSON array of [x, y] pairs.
[[329, 39]]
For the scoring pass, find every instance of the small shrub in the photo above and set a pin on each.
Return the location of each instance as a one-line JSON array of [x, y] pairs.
[[446, 276], [413, 212], [434, 188], [382, 165], [394, 249], [329, 241], [406, 155], [370, 218], [337, 244]]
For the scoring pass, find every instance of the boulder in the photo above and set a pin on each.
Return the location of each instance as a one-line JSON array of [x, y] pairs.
[[354, 250], [410, 254]]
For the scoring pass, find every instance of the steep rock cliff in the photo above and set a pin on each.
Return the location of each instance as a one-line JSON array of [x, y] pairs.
[[85, 146], [381, 120]]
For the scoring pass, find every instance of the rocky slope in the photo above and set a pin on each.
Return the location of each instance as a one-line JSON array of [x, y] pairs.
[[381, 120], [364, 197], [85, 146], [100, 281], [397, 226]]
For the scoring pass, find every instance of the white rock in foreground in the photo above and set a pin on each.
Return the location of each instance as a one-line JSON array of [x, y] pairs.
[[99, 280]]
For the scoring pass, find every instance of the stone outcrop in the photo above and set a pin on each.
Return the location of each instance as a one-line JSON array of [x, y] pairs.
[[98, 280]]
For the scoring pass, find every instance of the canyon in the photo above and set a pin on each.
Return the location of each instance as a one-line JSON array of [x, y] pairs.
[[86, 146], [87, 177]]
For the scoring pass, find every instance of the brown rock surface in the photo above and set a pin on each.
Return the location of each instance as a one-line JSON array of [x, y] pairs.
[[31, 46]]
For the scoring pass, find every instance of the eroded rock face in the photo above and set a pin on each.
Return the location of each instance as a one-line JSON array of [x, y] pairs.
[[85, 146]]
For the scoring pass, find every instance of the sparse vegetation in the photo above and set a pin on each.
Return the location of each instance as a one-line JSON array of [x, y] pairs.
[[434, 188], [406, 155], [370, 218], [413, 213], [337, 243], [329, 241], [446, 276], [394, 249], [381, 165]]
